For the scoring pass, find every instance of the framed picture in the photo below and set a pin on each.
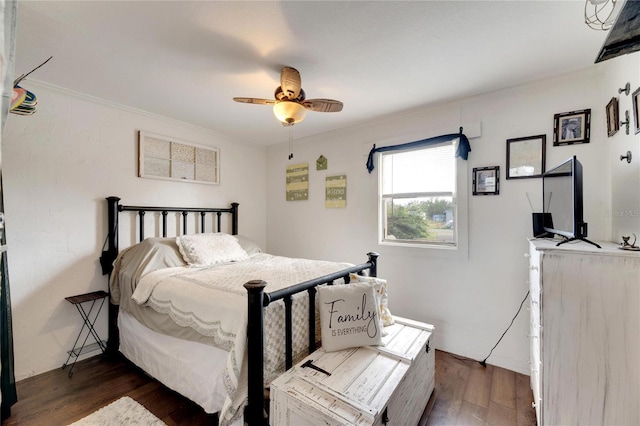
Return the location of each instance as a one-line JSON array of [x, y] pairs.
[[167, 158], [297, 182], [526, 157], [486, 180], [635, 98], [571, 127], [613, 122]]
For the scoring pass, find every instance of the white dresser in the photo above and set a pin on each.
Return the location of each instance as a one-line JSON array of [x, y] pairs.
[[388, 385], [585, 334]]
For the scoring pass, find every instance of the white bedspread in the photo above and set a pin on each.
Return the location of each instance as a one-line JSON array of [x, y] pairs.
[[213, 302]]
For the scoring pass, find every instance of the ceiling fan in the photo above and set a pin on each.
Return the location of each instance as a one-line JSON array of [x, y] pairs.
[[290, 104]]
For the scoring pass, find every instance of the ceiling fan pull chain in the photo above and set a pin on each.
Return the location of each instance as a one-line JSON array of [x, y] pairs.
[[290, 145]]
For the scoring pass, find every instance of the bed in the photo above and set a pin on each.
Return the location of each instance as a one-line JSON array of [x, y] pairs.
[[221, 342]]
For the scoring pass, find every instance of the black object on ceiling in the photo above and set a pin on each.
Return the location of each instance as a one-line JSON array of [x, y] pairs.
[[624, 36]]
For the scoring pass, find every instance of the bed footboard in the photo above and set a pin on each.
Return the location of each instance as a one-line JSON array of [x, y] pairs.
[[257, 301]]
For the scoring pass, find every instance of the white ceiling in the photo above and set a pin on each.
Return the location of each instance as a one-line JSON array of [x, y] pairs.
[[187, 59]]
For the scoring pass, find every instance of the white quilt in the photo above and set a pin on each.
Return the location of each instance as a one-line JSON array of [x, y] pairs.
[[213, 301]]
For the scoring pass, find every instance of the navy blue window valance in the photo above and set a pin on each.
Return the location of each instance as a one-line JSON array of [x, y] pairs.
[[463, 146]]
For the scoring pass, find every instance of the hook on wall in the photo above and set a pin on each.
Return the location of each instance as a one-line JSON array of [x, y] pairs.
[[626, 89], [626, 123], [627, 157]]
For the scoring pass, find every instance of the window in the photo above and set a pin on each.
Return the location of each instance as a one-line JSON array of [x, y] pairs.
[[418, 196]]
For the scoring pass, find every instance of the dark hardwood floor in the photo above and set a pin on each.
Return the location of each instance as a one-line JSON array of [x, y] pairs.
[[53, 398], [466, 394]]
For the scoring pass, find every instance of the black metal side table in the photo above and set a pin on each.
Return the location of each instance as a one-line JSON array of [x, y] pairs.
[[89, 322]]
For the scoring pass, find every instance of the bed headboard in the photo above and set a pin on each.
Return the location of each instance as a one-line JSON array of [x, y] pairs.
[[114, 208]]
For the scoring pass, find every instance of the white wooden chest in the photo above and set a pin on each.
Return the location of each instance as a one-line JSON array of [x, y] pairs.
[[388, 384]]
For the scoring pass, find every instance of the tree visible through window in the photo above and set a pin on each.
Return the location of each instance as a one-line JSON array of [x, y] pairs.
[[417, 203]]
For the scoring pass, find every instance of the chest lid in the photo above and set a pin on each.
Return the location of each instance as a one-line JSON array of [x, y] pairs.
[[406, 338]]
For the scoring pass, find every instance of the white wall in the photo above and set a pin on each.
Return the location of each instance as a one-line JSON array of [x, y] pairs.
[[471, 299], [625, 197], [58, 166]]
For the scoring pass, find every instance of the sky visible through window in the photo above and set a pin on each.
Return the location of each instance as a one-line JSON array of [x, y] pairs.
[[427, 170]]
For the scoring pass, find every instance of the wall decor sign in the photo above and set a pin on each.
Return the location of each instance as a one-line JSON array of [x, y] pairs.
[[336, 192], [635, 98], [322, 163], [571, 127], [613, 122], [526, 157], [297, 185], [486, 180], [163, 157]]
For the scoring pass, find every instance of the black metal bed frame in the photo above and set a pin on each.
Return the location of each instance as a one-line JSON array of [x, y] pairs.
[[257, 298]]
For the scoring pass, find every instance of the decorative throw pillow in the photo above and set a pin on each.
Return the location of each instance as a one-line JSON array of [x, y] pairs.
[[348, 316], [210, 249], [380, 286]]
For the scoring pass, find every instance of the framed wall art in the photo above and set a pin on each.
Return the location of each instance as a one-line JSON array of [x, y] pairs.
[[613, 122], [635, 99], [571, 127], [526, 157], [336, 192], [167, 158], [297, 182], [486, 180]]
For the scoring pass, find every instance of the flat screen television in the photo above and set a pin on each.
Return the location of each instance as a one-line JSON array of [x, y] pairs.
[[562, 200]]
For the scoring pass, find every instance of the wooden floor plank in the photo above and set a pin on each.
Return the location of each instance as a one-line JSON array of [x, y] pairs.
[[500, 415], [479, 387], [53, 398], [503, 388], [471, 414], [526, 414], [452, 375]]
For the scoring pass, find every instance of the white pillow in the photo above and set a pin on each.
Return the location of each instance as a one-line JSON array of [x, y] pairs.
[[348, 316], [380, 286], [210, 249], [248, 245]]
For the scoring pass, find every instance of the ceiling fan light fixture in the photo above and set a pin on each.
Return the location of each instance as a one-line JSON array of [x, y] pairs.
[[601, 14], [289, 112], [290, 104]]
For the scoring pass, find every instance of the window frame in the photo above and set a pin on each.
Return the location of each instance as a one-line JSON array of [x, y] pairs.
[[459, 247]]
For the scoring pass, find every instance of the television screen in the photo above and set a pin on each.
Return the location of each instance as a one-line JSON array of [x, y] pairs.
[[562, 198]]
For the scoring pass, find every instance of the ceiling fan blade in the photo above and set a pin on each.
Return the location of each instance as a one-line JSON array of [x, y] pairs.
[[323, 105], [255, 101], [290, 82]]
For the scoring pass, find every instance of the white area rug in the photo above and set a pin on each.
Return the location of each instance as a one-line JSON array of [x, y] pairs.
[[124, 411]]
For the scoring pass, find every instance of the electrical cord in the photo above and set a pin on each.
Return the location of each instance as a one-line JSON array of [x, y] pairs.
[[484, 361]]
